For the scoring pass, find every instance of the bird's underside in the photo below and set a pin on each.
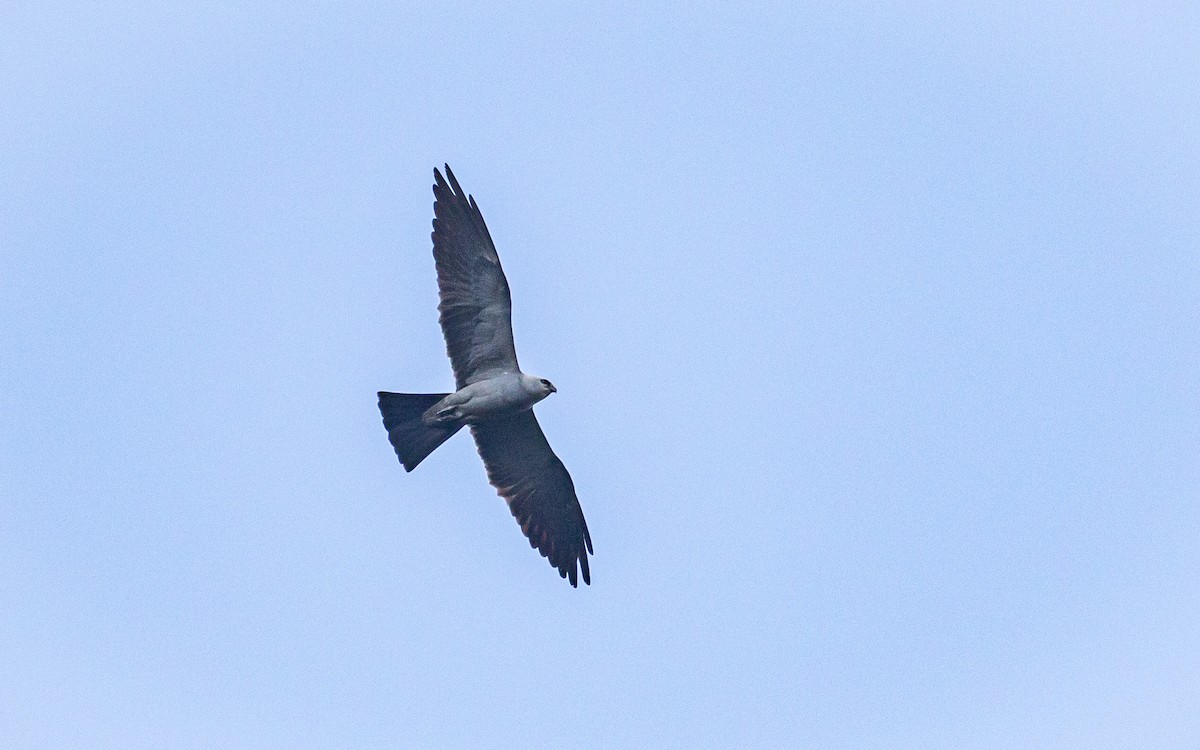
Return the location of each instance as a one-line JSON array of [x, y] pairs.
[[493, 396]]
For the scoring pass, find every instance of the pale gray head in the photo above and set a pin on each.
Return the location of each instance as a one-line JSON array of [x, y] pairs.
[[539, 386]]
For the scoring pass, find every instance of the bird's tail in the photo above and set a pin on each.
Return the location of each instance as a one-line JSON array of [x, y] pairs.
[[411, 437]]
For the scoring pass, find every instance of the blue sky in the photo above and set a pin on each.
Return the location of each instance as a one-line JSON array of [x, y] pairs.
[[876, 329]]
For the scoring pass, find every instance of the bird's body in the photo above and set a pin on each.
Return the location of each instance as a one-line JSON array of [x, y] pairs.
[[506, 393], [493, 396]]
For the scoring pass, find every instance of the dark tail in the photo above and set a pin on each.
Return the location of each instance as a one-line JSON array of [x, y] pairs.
[[412, 438]]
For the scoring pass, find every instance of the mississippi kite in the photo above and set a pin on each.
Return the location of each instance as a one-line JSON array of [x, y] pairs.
[[494, 397]]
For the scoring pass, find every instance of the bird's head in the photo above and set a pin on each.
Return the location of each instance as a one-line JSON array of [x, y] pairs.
[[537, 387]]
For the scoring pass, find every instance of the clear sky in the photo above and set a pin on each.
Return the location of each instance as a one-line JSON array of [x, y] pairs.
[[876, 329]]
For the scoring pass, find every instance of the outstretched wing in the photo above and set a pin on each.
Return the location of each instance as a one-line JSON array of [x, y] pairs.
[[539, 491], [475, 305]]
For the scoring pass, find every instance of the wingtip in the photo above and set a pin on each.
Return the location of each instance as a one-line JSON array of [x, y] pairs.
[[576, 569], [458, 191], [448, 184]]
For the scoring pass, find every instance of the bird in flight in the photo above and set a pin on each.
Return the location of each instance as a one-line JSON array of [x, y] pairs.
[[494, 397]]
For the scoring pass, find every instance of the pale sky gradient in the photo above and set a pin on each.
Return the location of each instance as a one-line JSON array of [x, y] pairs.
[[876, 329]]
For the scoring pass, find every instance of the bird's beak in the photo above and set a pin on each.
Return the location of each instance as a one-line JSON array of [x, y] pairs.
[[553, 389]]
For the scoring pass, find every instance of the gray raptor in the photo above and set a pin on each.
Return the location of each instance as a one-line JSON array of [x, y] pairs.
[[494, 397]]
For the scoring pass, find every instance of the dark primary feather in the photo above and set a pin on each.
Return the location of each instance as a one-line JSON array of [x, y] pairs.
[[475, 304], [540, 493]]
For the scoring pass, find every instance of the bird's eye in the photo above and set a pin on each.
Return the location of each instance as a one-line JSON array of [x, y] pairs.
[[545, 382]]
